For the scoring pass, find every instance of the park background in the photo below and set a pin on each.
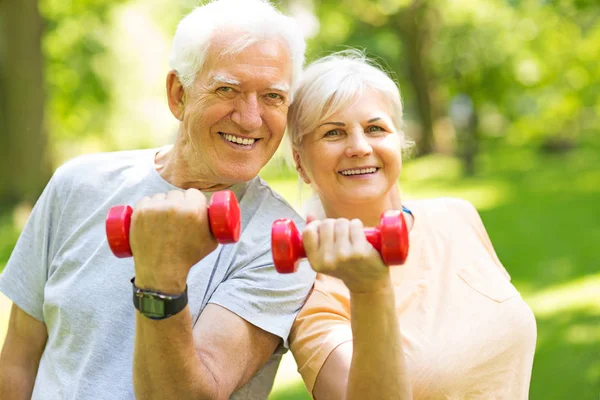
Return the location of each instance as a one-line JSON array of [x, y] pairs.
[[502, 98]]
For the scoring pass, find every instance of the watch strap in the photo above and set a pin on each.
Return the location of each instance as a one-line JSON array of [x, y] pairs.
[[157, 305]]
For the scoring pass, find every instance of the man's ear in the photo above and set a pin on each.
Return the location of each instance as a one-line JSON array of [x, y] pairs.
[[299, 167], [175, 95]]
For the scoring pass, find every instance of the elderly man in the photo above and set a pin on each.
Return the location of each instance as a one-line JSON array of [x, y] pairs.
[[74, 332]]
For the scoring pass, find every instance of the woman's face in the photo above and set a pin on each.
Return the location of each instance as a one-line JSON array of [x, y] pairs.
[[355, 155]]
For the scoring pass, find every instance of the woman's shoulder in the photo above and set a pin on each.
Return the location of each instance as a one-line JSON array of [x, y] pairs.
[[441, 204], [440, 209]]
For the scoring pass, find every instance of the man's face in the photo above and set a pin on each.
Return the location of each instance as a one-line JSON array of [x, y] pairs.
[[235, 112]]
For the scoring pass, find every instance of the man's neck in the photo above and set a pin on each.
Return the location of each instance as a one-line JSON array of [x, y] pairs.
[[178, 165]]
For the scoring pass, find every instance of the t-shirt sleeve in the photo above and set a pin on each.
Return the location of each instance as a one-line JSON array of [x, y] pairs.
[[25, 275], [259, 294], [322, 325], [475, 220]]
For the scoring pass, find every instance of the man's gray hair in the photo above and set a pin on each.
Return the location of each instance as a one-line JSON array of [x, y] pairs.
[[332, 83], [256, 20]]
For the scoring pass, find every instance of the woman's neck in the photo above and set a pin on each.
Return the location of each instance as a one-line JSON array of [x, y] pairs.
[[369, 213]]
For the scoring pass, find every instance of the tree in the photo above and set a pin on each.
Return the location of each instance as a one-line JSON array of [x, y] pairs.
[[51, 86], [24, 168]]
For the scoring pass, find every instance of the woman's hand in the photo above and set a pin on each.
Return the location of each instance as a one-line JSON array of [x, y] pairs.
[[338, 247]]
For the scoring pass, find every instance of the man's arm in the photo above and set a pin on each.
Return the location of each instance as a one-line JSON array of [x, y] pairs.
[[23, 347], [211, 361]]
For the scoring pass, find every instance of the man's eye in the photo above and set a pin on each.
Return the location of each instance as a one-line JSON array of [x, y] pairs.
[[225, 89], [274, 98]]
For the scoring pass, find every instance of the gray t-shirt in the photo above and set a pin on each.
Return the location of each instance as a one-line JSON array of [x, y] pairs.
[[63, 273]]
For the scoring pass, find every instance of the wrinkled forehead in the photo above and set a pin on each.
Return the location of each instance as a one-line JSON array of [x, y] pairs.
[[234, 47]]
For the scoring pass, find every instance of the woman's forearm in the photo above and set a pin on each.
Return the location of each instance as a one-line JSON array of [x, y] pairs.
[[378, 369]]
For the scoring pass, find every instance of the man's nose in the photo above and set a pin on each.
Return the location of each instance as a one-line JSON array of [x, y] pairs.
[[247, 113]]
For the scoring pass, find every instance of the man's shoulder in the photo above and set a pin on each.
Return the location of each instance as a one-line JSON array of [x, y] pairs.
[[267, 203], [98, 168], [103, 162]]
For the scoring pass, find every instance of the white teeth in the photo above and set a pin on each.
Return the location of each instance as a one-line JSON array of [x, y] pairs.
[[360, 171], [238, 140]]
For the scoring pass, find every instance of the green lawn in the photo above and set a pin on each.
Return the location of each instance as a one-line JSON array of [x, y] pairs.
[[543, 215]]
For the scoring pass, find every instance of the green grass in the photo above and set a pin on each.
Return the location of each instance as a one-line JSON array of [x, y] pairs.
[[542, 213]]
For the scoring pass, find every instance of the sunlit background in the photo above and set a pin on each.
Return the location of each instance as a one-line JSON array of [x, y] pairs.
[[502, 98]]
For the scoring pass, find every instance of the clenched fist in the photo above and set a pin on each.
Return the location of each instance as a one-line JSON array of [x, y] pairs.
[[338, 247], [169, 234]]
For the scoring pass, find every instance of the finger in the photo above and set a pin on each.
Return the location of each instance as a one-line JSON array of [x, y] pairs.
[[310, 218], [342, 232], [195, 196], [141, 203], [159, 197], [310, 238], [176, 196], [357, 232], [194, 201], [327, 233]]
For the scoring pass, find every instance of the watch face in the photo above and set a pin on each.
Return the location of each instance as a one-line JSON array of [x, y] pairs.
[[152, 307]]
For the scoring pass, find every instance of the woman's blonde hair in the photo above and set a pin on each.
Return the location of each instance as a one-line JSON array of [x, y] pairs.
[[332, 83]]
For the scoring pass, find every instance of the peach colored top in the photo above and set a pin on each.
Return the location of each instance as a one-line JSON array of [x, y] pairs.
[[466, 331]]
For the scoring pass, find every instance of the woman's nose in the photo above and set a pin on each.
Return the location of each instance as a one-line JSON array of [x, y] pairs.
[[358, 145]]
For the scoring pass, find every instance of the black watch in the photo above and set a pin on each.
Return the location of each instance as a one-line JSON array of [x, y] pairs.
[[157, 305]]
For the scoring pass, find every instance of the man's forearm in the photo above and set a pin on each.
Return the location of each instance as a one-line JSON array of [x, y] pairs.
[[16, 383], [378, 369], [166, 364]]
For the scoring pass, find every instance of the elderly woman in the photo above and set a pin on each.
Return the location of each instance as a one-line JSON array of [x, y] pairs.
[[448, 324]]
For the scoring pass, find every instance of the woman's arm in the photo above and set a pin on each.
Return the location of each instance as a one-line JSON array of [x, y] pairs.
[[20, 359], [373, 366]]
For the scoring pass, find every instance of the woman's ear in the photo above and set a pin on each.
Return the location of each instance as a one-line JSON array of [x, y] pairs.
[[299, 168]]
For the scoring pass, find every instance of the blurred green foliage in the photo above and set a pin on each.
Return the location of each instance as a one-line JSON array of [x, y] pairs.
[[529, 67], [74, 44]]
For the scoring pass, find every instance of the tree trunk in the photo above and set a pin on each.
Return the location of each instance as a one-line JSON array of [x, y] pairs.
[[412, 24], [24, 167]]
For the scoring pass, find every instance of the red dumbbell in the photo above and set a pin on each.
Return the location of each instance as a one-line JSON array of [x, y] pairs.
[[389, 238], [223, 217]]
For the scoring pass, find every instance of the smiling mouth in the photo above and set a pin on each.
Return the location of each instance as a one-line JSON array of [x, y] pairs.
[[240, 141], [359, 171]]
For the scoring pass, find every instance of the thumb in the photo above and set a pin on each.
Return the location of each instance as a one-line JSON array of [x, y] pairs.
[[310, 218]]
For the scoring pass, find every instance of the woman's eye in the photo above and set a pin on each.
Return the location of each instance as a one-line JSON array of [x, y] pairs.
[[333, 132], [374, 128]]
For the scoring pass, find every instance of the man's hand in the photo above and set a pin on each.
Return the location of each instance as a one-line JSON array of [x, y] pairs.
[[169, 234]]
